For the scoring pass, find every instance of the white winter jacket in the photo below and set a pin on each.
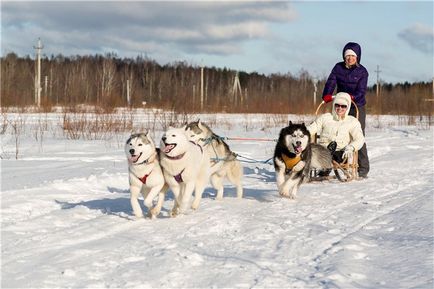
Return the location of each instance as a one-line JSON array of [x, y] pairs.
[[346, 131]]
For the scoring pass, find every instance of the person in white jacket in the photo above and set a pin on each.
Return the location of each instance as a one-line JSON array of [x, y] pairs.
[[339, 132]]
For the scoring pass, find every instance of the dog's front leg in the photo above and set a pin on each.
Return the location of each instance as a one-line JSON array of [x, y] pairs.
[[176, 190], [187, 191], [290, 187], [155, 211], [135, 193], [280, 173], [150, 197]]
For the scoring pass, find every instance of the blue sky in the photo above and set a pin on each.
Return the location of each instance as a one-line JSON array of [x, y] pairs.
[[266, 36]]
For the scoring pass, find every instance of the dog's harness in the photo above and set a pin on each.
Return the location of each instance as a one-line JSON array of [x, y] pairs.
[[143, 179], [290, 162], [206, 141], [178, 177]]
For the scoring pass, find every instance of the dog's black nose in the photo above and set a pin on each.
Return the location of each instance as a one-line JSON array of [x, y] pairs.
[[298, 143], [132, 151], [163, 138]]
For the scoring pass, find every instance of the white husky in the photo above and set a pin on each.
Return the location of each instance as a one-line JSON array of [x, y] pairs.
[[145, 174], [223, 161], [185, 167]]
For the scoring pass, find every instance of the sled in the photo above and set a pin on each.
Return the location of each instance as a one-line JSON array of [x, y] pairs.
[[346, 170]]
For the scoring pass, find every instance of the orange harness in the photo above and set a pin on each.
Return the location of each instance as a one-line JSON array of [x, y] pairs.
[[290, 162]]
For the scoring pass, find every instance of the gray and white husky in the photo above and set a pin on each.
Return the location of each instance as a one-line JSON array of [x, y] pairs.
[[145, 174], [223, 160], [294, 158], [185, 168]]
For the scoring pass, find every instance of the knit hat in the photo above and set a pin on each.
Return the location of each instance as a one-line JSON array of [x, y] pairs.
[[349, 52], [342, 98]]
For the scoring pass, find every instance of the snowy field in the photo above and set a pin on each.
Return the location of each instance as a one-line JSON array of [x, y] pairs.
[[66, 220]]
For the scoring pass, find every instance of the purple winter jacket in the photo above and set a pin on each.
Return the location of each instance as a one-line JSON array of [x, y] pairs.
[[352, 80]]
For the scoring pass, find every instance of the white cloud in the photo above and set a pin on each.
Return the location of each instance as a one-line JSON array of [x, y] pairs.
[[420, 37], [188, 26]]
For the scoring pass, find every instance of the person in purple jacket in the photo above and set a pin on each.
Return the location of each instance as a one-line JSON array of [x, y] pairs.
[[351, 77]]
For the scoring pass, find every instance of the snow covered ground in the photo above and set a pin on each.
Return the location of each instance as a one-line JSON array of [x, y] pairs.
[[66, 220]]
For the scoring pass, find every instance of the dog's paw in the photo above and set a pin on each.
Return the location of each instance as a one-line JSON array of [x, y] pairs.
[[174, 212], [151, 216], [287, 195], [153, 213], [299, 166], [138, 217]]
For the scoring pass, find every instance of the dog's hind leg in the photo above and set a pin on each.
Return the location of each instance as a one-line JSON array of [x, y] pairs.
[[217, 183], [235, 176], [198, 191]]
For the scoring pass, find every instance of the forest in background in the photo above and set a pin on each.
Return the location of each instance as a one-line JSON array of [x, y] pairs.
[[102, 81]]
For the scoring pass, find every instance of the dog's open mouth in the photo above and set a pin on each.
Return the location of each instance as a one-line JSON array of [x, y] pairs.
[[134, 158], [298, 149], [168, 147]]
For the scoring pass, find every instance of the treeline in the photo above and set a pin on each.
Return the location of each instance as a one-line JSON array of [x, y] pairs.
[[106, 81]]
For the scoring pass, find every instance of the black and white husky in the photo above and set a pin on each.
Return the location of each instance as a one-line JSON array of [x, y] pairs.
[[295, 156], [145, 174], [224, 163]]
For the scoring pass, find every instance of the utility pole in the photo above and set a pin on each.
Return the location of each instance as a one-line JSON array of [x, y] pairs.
[[237, 88], [378, 88], [315, 89], [128, 93], [201, 87], [38, 87]]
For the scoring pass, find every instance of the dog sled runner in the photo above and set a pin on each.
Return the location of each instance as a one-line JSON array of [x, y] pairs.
[[344, 171]]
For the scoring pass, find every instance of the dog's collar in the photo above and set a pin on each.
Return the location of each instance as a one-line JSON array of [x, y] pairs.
[[290, 162], [148, 160], [178, 157]]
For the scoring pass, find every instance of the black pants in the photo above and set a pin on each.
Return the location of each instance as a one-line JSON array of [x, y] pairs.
[[363, 152]]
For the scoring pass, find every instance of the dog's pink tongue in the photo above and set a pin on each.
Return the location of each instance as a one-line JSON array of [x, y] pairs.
[[134, 159], [298, 150], [168, 148]]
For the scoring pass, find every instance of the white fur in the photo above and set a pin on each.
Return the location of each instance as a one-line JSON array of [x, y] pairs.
[[221, 168], [191, 160], [146, 164]]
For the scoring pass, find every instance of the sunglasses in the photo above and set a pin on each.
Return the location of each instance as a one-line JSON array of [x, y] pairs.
[[340, 105]]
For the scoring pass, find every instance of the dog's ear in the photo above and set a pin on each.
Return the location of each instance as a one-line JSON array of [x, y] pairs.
[[290, 123]]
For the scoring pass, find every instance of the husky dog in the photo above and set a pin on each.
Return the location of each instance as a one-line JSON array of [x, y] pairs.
[[223, 160], [145, 174], [185, 168], [295, 157]]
